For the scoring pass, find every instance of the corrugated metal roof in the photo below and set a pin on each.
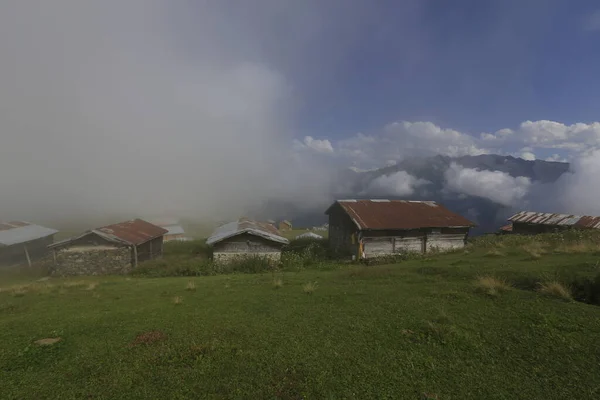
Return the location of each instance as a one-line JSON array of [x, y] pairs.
[[400, 214], [174, 229], [245, 225], [133, 232], [536, 218], [16, 232]]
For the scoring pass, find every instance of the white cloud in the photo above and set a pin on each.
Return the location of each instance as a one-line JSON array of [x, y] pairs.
[[556, 158], [405, 139], [547, 135], [496, 186], [577, 192], [400, 183], [402, 139], [318, 145], [527, 155]]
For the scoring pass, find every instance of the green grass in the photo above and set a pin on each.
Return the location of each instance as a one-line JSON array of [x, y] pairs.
[[392, 331]]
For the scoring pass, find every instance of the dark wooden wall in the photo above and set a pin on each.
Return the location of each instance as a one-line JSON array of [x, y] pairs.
[[534, 229], [150, 250], [341, 229]]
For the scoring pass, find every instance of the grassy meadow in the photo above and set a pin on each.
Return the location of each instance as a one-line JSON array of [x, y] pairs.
[[505, 318]]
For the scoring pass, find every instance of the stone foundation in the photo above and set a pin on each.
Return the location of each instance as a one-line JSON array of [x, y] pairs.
[[92, 260]]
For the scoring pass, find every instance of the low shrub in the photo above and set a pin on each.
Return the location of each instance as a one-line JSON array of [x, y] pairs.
[[185, 266], [586, 290], [307, 253], [175, 266]]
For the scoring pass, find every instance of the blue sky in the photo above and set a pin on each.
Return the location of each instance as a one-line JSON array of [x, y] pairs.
[[475, 66]]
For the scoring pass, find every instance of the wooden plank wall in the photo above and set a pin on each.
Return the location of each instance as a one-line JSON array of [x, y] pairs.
[[445, 242]]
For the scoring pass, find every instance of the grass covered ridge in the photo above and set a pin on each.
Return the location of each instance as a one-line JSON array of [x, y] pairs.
[[422, 327]]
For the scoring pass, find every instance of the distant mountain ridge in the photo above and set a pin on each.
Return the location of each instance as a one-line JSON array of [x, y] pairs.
[[350, 183]]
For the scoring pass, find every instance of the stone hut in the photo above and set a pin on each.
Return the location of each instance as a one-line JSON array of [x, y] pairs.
[[23, 242], [110, 250], [373, 228], [245, 238]]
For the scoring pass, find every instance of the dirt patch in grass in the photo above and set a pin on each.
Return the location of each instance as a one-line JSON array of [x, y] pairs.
[[148, 338], [47, 341]]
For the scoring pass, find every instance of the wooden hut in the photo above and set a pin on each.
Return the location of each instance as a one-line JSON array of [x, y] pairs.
[[372, 228]]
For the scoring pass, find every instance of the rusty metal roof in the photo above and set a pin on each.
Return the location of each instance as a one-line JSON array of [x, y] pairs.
[[536, 218], [16, 232], [245, 225], [400, 214], [133, 232]]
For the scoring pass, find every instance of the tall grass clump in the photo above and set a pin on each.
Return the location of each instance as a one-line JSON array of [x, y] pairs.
[[277, 283], [556, 289], [491, 285], [309, 287]]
